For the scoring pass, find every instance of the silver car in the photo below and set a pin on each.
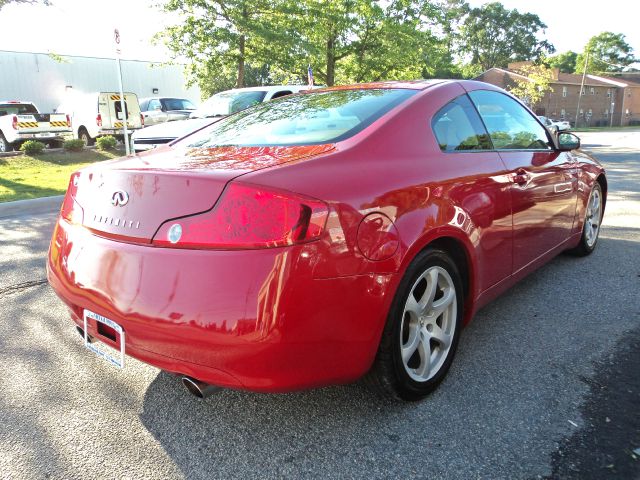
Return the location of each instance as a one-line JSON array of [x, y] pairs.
[[165, 109], [218, 106]]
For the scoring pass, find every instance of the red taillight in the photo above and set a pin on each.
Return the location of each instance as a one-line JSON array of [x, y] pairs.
[[14, 122], [99, 120], [70, 210], [248, 216], [142, 120], [68, 121]]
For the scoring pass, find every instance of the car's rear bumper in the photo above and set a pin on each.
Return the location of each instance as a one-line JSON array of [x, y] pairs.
[[252, 319]]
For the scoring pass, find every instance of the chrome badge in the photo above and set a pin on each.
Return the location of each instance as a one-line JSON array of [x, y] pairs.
[[119, 198]]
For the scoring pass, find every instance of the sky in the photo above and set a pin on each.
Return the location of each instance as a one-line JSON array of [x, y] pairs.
[[85, 27]]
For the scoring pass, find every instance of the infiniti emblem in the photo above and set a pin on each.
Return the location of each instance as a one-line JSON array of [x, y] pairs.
[[119, 198]]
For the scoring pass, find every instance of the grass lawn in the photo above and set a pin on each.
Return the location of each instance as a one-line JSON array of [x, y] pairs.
[[626, 128], [44, 175]]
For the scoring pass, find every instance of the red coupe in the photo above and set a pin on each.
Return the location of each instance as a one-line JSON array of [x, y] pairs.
[[321, 237]]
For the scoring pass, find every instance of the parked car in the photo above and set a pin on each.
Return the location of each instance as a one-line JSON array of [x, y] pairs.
[[21, 121], [163, 109], [342, 232], [96, 114], [218, 106], [557, 125]]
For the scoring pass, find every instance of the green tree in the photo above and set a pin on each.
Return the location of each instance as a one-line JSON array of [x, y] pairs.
[[221, 38], [533, 88], [7, 2], [494, 36], [566, 61], [608, 52]]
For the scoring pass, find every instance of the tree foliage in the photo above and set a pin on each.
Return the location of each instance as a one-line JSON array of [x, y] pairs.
[[494, 36], [566, 61], [533, 88], [235, 43], [608, 52], [7, 2]]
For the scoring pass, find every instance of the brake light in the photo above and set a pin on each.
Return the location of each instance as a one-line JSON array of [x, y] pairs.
[[14, 122], [70, 210], [99, 120], [68, 121], [142, 120], [248, 216]]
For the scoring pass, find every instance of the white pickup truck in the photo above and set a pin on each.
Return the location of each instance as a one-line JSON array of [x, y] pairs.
[[21, 121]]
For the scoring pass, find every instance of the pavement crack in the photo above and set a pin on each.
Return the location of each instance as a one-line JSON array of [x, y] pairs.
[[18, 287]]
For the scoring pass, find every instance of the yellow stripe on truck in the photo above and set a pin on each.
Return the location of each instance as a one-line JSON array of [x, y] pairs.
[[121, 124], [58, 124], [115, 97], [27, 124]]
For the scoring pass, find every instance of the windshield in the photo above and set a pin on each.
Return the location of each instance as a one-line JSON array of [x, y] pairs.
[[177, 104], [17, 109], [226, 103], [306, 119]]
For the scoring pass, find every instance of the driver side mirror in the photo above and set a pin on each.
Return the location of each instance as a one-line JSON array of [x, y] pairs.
[[568, 141]]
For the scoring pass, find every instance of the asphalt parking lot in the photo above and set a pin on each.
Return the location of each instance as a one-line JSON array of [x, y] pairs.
[[545, 384]]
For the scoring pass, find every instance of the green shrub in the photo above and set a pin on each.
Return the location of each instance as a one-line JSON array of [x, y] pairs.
[[74, 145], [32, 147], [106, 143]]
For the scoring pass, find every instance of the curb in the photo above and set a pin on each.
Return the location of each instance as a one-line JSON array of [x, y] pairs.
[[16, 153], [31, 207]]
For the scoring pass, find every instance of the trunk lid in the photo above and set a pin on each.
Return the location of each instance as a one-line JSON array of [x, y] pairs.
[[131, 197]]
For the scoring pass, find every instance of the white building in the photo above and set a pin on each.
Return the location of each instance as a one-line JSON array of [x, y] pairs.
[[48, 80]]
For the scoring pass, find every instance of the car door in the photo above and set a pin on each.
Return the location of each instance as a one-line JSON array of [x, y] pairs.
[[154, 113], [544, 180], [479, 187]]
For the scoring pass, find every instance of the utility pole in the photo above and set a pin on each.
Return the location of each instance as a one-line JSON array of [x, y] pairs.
[[584, 74], [123, 109]]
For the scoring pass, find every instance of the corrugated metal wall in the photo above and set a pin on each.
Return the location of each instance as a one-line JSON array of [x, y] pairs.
[[39, 78]]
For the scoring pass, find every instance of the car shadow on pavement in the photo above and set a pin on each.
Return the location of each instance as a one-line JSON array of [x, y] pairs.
[[520, 375]]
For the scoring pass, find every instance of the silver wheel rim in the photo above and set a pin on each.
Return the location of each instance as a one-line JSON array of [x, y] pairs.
[[3, 145], [594, 214], [85, 139], [428, 324]]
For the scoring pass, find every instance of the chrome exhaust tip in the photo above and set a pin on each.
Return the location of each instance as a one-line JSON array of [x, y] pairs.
[[198, 388]]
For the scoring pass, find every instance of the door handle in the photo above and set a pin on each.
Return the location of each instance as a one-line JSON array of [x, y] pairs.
[[521, 177]]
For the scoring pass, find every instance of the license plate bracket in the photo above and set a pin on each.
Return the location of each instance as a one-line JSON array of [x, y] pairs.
[[117, 361]]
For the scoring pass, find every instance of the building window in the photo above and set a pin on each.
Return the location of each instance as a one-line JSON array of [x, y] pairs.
[[592, 91], [563, 113], [608, 92], [589, 113], [606, 111], [583, 91], [581, 112], [564, 91]]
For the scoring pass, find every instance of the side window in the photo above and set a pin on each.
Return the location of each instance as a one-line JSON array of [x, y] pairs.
[[457, 127], [154, 104], [510, 125], [281, 93]]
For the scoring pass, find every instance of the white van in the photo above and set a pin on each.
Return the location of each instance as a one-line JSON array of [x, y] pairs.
[[97, 114]]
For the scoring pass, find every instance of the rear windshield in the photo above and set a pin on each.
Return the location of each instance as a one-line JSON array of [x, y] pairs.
[[17, 109], [177, 104], [306, 119]]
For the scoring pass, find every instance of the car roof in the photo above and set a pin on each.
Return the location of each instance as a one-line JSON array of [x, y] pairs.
[[163, 98], [406, 84], [270, 88], [15, 102]]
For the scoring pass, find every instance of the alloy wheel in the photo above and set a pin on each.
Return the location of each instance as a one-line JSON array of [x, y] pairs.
[[594, 215], [428, 324]]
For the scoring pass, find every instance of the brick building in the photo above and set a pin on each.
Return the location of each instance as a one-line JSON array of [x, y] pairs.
[[604, 100]]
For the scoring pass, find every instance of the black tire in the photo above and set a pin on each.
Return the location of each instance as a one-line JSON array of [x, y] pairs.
[[389, 377], [4, 145], [85, 137], [588, 244]]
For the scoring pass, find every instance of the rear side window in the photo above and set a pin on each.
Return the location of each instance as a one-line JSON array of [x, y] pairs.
[[510, 125], [458, 127], [281, 93]]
